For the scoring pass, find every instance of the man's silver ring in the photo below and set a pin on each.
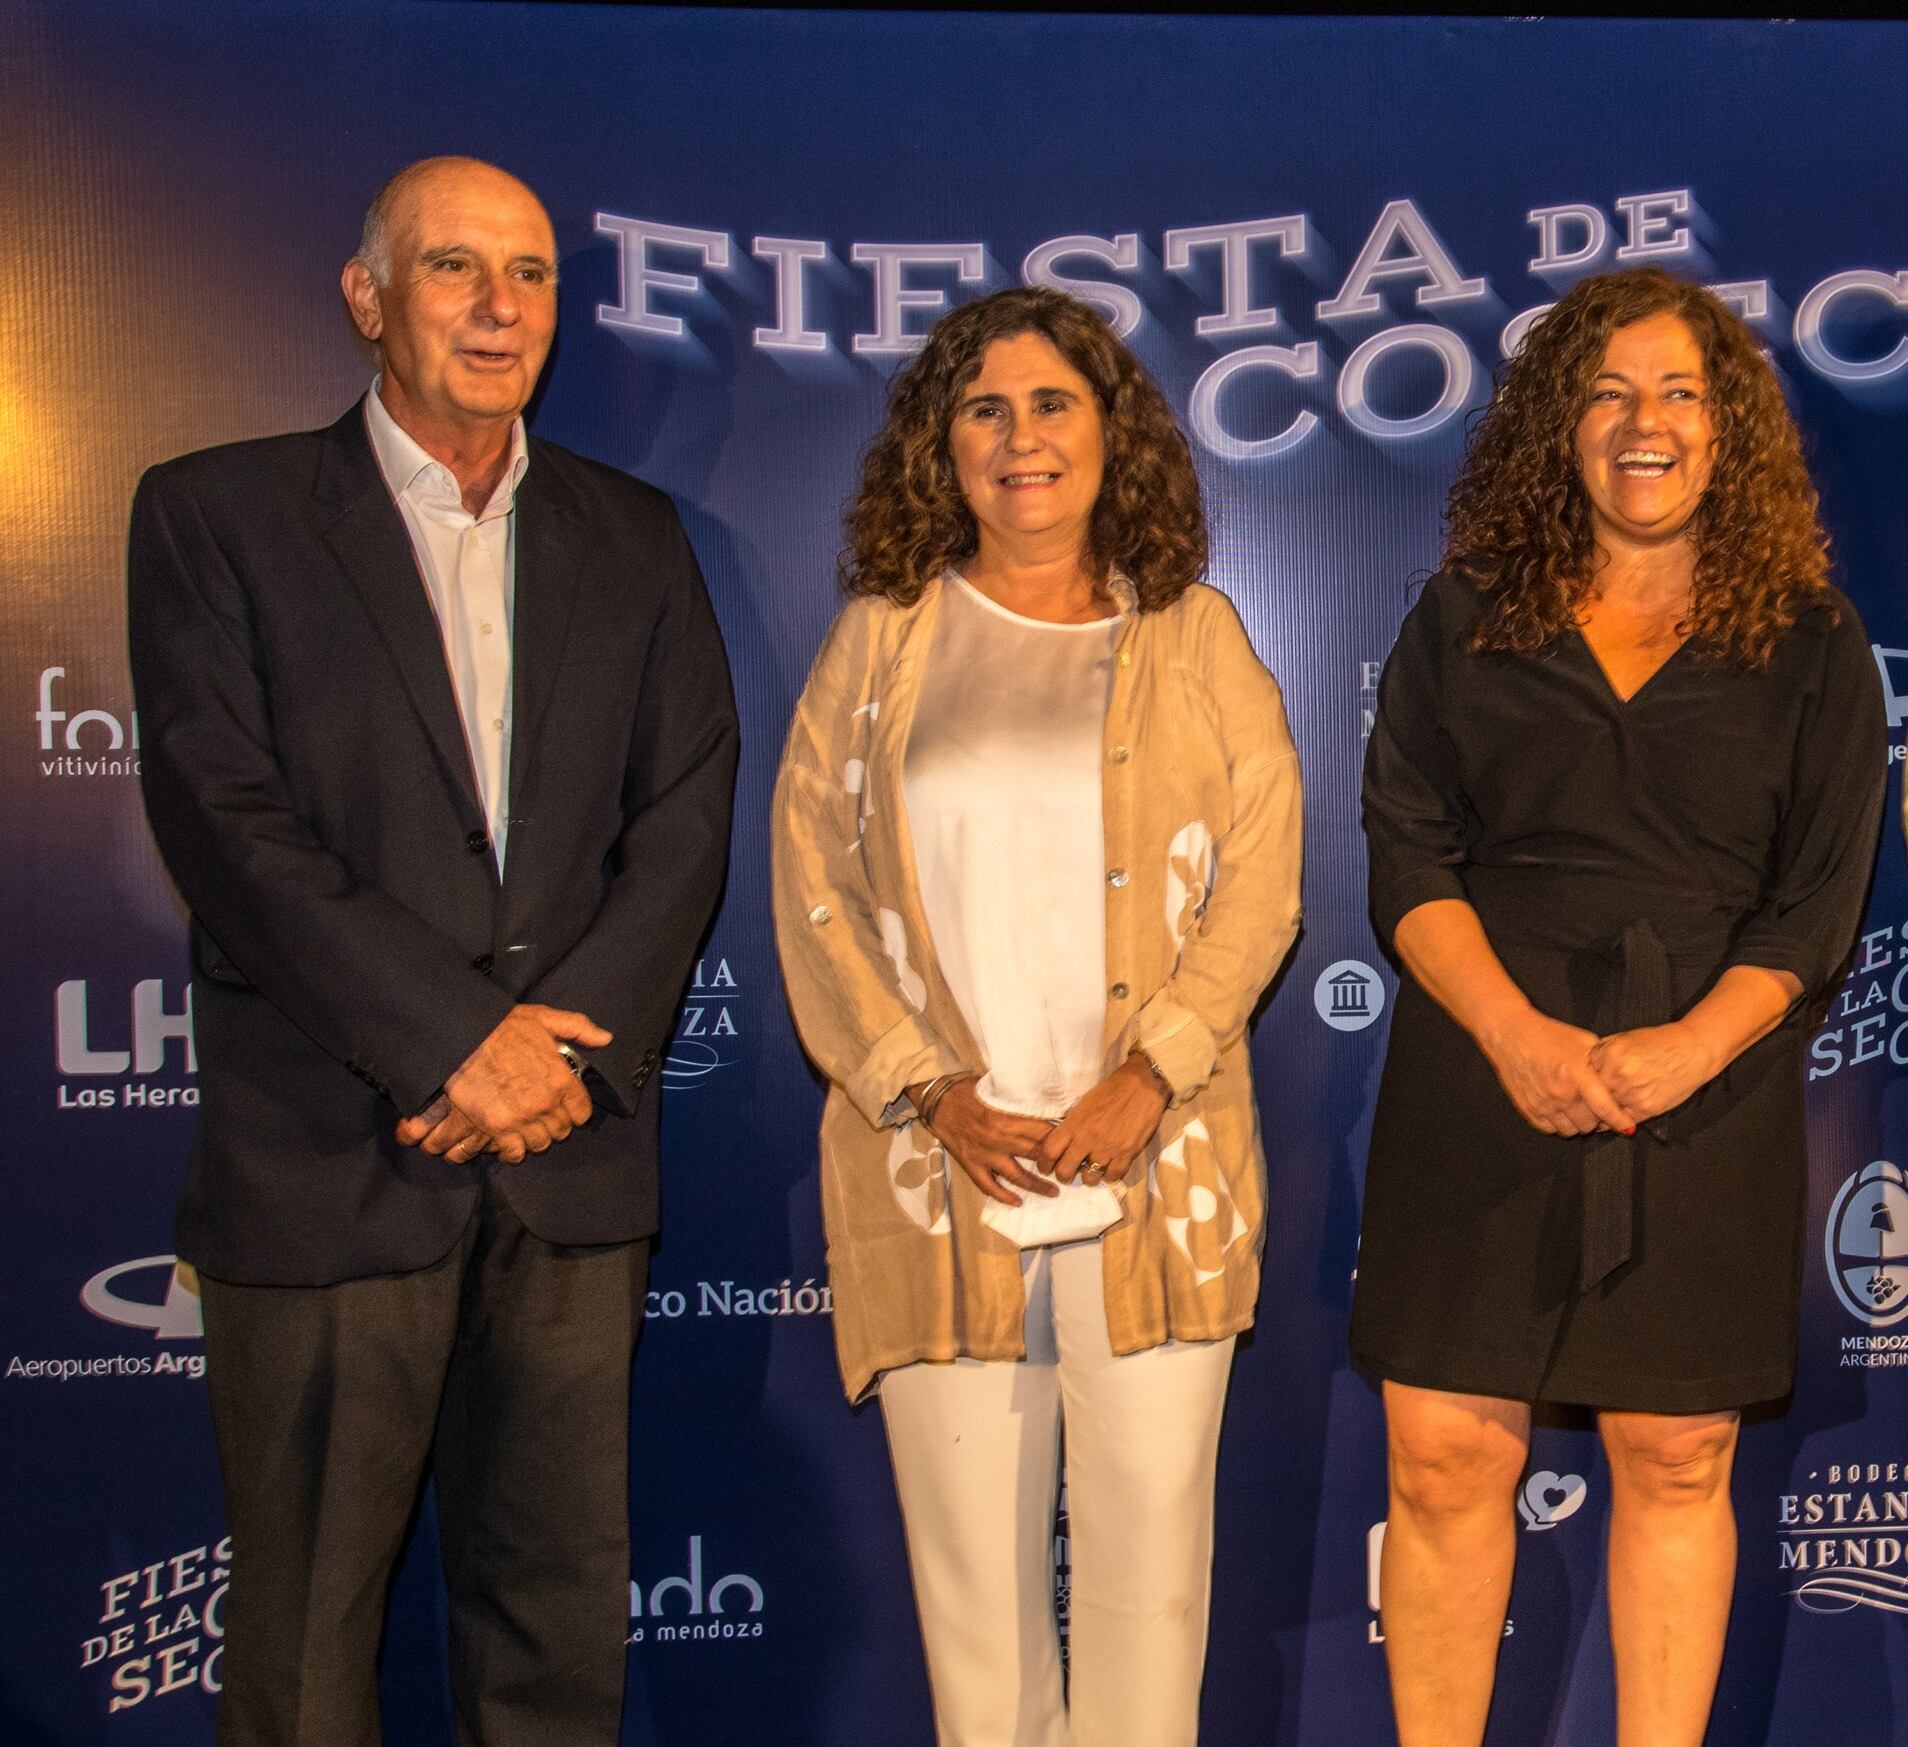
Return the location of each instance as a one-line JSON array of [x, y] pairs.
[[571, 1059]]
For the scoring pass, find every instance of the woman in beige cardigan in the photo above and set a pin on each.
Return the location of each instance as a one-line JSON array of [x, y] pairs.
[[1036, 857]]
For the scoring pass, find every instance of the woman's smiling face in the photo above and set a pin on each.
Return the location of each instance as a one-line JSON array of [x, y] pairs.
[[1028, 443], [1647, 439]]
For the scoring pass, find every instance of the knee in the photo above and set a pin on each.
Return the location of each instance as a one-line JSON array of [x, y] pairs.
[[1451, 1467], [1670, 1463]]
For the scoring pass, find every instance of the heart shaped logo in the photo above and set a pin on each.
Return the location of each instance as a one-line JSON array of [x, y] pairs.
[[1548, 1498]]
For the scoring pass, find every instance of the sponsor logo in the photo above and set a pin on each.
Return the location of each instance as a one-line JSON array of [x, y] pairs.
[[1063, 1574], [1349, 995], [707, 1030], [161, 1628], [159, 1293], [1548, 1498], [1545, 1499], [90, 1045], [82, 743], [724, 1298], [1866, 1245], [175, 1317], [693, 1608], [1846, 1541]]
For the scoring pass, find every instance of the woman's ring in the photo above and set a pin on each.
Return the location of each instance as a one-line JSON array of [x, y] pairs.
[[1092, 1172]]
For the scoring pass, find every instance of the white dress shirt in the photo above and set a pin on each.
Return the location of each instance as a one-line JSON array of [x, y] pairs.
[[1002, 783], [469, 569]]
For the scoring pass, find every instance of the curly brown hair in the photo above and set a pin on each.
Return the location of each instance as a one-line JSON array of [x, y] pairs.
[[1519, 517], [909, 521]]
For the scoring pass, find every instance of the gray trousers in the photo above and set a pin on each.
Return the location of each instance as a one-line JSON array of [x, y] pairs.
[[504, 1371]]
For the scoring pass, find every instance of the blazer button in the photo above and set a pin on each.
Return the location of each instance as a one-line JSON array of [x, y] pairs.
[[482, 962], [477, 843]]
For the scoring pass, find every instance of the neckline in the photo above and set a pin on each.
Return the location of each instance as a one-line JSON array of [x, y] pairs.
[[1014, 618], [1603, 673]]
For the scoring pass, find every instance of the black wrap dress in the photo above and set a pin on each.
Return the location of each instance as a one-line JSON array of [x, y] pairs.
[[1621, 856]]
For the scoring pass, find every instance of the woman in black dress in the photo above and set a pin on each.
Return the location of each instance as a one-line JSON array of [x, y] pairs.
[[1622, 798]]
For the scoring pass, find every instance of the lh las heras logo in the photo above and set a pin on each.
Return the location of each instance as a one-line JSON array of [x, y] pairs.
[[88, 1035], [1866, 1246]]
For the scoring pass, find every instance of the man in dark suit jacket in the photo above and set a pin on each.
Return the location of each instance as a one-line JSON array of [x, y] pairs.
[[439, 749]]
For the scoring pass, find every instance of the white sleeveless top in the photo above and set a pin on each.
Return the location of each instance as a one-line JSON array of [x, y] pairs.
[[1002, 784]]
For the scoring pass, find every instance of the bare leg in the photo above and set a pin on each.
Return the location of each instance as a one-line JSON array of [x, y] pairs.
[[1451, 1540], [1672, 1569]]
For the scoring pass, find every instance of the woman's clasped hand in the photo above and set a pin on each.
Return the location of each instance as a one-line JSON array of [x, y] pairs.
[[1096, 1141]]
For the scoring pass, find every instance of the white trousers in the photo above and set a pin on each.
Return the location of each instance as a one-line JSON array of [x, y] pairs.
[[976, 1450]]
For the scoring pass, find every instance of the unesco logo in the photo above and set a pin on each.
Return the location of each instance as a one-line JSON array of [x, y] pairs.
[[1866, 1243], [1349, 995]]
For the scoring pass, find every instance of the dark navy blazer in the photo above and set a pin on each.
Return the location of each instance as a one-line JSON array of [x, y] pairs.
[[307, 779]]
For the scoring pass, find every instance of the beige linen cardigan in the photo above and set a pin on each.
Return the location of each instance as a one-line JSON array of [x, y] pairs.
[[1201, 817]]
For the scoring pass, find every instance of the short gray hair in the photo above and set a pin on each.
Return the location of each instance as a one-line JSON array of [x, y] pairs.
[[374, 240]]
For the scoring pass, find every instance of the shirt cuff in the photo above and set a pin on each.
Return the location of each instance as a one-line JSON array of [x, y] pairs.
[[903, 1056], [1178, 1043], [1424, 885]]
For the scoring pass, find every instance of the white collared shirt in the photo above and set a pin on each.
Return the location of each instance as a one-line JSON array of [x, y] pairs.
[[469, 568]]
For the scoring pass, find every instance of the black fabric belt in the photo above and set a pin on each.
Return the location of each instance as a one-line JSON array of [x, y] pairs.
[[1640, 993]]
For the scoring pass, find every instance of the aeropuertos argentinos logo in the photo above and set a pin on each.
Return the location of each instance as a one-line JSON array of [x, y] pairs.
[[708, 1029], [1865, 1243], [155, 1295], [124, 1049], [160, 1631], [695, 1605], [82, 741], [1844, 1540]]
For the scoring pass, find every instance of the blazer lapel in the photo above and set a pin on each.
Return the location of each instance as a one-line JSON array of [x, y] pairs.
[[550, 558], [368, 538]]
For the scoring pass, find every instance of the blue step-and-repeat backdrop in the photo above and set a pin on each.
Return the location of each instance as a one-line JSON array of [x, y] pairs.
[[1321, 237]]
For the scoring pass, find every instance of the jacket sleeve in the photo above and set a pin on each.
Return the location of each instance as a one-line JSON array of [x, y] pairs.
[[628, 968], [1413, 804], [1251, 916], [1825, 846], [858, 1004], [367, 979]]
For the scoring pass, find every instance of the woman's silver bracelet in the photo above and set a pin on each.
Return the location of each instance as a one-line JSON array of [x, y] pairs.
[[933, 1092]]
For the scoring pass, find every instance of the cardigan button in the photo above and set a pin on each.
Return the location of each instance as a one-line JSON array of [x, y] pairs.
[[1124, 658], [821, 915], [1117, 878], [1118, 992], [1119, 755]]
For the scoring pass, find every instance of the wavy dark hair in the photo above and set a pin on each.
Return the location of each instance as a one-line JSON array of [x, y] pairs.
[[909, 522], [1519, 517]]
